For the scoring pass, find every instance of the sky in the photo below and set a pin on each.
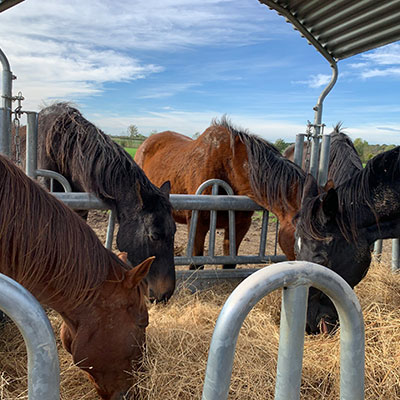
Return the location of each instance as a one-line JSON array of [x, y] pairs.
[[177, 64]]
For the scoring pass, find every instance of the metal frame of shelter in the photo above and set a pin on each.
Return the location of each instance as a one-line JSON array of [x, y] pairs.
[[339, 29]]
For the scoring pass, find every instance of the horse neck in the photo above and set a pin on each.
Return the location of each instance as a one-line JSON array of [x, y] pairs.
[[374, 211]]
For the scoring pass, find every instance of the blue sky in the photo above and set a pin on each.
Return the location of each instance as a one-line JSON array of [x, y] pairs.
[[176, 64]]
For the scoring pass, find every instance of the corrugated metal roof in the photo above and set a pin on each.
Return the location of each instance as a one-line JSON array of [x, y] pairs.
[[5, 4], [342, 28]]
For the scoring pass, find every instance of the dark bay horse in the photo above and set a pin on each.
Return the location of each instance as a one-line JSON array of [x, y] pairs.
[[344, 163], [344, 160], [52, 252], [337, 228], [92, 162], [250, 165]]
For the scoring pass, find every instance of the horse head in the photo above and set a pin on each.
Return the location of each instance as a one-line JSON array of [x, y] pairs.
[[146, 230], [107, 338], [320, 239]]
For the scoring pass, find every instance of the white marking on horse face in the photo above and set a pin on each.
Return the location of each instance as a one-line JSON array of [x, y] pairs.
[[299, 243]]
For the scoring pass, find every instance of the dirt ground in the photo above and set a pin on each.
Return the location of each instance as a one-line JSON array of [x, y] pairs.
[[250, 245]]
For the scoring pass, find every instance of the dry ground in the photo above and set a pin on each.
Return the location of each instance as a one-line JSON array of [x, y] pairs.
[[179, 334]]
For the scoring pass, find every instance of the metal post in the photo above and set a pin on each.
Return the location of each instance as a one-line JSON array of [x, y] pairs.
[[298, 149], [291, 274], [291, 342], [31, 320], [395, 255], [6, 95], [324, 160], [31, 144], [317, 120], [110, 230], [378, 248]]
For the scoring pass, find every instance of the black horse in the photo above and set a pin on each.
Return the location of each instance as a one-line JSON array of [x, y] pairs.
[[337, 227], [92, 162]]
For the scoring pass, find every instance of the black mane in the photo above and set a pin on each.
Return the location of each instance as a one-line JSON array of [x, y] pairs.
[[271, 175], [359, 197], [344, 161], [104, 168]]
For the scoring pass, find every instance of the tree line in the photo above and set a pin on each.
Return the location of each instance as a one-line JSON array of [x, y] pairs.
[[132, 138], [365, 150]]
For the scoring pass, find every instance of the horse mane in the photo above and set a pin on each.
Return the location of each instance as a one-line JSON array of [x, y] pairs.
[[357, 197], [45, 246], [343, 158], [102, 165], [272, 176]]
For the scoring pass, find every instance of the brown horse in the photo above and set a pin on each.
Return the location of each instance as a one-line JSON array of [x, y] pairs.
[[101, 301], [249, 164], [72, 146]]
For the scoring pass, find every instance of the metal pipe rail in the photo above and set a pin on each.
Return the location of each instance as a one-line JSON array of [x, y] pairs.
[[295, 277], [32, 321], [87, 201]]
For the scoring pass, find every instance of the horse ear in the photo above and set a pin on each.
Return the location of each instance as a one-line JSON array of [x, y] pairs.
[[310, 188], [166, 188], [136, 274], [329, 185], [124, 257], [330, 203]]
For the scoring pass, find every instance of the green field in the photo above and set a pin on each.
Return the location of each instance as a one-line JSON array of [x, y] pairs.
[[131, 151]]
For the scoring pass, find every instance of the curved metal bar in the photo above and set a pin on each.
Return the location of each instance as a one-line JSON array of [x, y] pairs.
[[32, 321], [218, 182], [55, 175], [317, 123], [6, 94], [290, 274]]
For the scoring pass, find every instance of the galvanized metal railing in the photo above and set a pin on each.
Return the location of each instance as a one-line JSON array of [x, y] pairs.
[[31, 320], [295, 277]]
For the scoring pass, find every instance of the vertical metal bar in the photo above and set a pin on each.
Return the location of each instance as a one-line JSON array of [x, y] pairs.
[[213, 224], [110, 230], [299, 149], [264, 233], [378, 248], [6, 95], [31, 144], [314, 155], [31, 320], [395, 254], [324, 160], [232, 233], [276, 236], [192, 233], [291, 342]]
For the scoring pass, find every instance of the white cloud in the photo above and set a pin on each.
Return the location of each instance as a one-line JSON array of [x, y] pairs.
[[317, 81], [382, 62], [70, 49], [188, 123]]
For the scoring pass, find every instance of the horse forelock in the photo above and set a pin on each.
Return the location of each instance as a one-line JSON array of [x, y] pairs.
[[273, 178], [46, 247]]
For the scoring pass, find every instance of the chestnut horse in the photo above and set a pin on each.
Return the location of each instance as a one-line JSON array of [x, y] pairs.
[[92, 162], [250, 165], [101, 300]]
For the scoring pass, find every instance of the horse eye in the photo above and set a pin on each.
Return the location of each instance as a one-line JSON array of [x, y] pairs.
[[155, 236]]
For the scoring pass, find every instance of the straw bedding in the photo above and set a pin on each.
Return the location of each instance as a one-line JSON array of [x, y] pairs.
[[178, 340]]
